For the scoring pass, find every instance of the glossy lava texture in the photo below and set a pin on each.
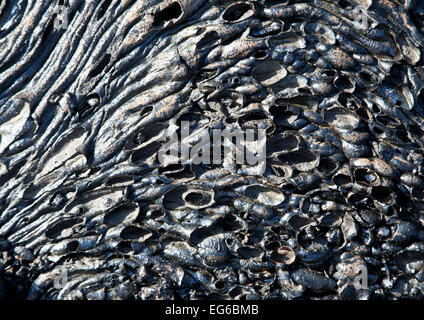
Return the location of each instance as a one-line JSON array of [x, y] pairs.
[[83, 111]]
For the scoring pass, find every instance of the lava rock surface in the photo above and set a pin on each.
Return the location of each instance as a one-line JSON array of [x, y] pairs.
[[87, 211]]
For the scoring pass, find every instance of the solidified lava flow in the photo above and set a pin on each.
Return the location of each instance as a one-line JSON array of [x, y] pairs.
[[90, 90]]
